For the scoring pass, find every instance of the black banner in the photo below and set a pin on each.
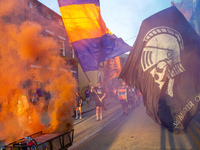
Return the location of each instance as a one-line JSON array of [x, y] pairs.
[[164, 65]]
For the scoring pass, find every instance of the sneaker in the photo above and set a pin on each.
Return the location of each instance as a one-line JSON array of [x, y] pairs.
[[76, 117], [97, 119], [80, 117]]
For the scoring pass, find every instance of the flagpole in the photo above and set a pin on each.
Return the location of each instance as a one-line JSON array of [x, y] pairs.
[[91, 85]]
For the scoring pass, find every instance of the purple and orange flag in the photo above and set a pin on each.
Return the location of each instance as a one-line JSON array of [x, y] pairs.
[[91, 39]]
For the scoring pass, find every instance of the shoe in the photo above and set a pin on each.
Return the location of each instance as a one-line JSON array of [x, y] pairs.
[[80, 117], [100, 118], [76, 117], [97, 119]]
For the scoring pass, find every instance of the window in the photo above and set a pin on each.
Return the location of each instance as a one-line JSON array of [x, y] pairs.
[[50, 37], [72, 52], [60, 22], [49, 32], [32, 5], [62, 47], [48, 15]]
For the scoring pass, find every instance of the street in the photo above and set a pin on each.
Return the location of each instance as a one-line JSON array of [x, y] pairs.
[[132, 132], [137, 131]]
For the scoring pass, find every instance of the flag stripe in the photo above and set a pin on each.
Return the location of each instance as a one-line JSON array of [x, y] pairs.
[[76, 2], [83, 22], [96, 50]]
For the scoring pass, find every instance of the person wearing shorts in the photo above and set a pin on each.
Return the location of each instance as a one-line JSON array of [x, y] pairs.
[[87, 95], [99, 95], [122, 95], [78, 105]]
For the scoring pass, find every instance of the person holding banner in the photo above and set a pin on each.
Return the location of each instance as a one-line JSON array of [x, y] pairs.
[[99, 95]]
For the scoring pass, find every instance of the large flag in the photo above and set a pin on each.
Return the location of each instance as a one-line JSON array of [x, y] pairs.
[[112, 69], [91, 39], [164, 65]]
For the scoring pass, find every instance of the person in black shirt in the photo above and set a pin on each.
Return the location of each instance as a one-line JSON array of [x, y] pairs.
[[99, 95]]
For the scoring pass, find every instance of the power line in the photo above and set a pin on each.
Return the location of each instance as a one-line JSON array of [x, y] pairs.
[[130, 38]]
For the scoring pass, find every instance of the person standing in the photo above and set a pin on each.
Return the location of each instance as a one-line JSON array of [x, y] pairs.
[[122, 95], [99, 95], [115, 95], [131, 96], [87, 95], [78, 105]]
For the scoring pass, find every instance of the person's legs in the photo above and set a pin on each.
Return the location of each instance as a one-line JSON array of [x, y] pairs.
[[123, 108], [80, 112], [101, 113], [97, 112], [126, 108], [88, 101], [76, 113]]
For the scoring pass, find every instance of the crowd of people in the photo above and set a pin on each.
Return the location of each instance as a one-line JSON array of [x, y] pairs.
[[128, 97]]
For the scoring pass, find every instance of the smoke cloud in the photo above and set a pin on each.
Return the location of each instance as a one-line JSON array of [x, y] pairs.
[[29, 60]]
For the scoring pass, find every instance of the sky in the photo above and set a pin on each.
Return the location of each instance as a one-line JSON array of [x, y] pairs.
[[123, 17]]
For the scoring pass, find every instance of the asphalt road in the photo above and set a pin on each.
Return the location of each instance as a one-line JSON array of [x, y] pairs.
[[133, 132], [137, 131]]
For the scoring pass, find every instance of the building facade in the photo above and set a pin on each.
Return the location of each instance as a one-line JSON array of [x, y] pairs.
[[34, 11]]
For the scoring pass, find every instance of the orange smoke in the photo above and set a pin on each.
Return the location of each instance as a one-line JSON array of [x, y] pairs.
[[20, 47]]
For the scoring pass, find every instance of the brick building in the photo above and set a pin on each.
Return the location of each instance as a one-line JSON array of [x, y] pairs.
[[51, 22]]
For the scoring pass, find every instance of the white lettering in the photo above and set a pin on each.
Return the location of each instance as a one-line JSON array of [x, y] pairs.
[[190, 104], [197, 98], [176, 123], [181, 116]]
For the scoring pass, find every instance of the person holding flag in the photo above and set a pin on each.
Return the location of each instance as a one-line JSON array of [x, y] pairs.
[[91, 40], [99, 95]]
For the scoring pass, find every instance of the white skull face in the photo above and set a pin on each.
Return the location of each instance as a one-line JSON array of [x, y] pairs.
[[162, 54]]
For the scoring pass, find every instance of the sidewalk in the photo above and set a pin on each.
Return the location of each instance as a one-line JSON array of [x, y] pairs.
[[86, 108]]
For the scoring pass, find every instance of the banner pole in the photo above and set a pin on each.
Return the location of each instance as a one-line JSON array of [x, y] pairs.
[[92, 85]]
